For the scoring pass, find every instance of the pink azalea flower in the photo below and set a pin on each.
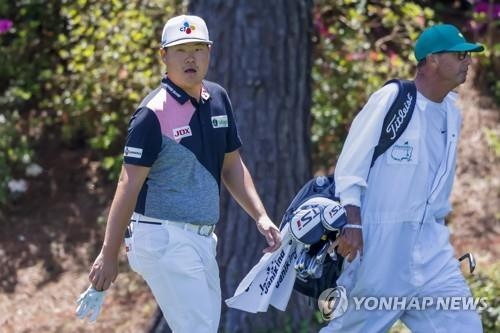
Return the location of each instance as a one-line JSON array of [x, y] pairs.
[[489, 9], [5, 25]]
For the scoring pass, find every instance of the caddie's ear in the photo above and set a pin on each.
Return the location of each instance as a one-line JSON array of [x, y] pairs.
[[433, 58]]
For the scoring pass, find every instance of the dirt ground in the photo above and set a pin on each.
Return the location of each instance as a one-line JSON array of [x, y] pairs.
[[51, 235], [475, 220], [48, 241]]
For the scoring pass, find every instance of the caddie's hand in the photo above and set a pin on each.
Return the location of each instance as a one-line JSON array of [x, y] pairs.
[[351, 237], [271, 232], [89, 304], [350, 242], [103, 272]]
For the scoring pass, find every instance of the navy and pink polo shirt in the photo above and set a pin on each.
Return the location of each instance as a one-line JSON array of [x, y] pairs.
[[183, 141]]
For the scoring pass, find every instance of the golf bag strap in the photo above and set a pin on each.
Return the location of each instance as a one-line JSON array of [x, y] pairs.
[[398, 116]]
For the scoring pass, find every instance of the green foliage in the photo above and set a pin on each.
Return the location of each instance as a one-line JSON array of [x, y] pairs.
[[15, 152], [72, 72], [487, 24], [487, 285], [109, 61], [359, 46], [493, 139], [23, 53]]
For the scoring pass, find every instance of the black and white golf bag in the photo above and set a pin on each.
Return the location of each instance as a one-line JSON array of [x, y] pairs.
[[315, 218]]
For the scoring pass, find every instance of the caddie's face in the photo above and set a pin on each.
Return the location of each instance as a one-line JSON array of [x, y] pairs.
[[187, 65], [453, 66]]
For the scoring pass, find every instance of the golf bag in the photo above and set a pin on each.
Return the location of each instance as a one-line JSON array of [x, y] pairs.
[[315, 219]]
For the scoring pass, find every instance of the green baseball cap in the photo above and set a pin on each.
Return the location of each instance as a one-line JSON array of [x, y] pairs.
[[443, 38]]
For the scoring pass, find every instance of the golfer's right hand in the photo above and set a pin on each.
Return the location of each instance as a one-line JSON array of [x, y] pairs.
[[103, 272]]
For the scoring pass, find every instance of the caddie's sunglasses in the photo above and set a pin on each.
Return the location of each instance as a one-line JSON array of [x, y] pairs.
[[460, 55]]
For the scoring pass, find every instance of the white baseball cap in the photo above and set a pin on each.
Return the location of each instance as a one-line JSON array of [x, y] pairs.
[[184, 29]]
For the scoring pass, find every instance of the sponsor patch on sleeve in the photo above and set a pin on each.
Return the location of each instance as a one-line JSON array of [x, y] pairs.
[[220, 121], [132, 152]]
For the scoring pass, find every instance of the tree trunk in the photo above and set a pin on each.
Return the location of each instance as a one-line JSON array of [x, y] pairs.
[[262, 55]]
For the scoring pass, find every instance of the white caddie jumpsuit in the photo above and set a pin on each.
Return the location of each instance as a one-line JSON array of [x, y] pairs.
[[403, 203]]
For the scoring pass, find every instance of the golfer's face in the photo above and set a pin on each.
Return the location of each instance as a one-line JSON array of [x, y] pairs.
[[187, 64]]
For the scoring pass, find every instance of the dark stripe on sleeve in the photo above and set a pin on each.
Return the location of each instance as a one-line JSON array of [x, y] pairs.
[[144, 138]]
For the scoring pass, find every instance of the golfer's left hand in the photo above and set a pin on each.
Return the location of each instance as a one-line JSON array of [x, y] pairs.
[[271, 232], [89, 304]]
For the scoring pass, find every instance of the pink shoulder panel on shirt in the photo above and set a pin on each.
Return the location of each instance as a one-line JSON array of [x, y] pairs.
[[174, 118]]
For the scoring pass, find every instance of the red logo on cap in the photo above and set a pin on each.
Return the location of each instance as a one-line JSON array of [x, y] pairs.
[[187, 28]]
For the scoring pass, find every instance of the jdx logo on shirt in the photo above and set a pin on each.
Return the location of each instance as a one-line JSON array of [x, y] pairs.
[[182, 132], [219, 121]]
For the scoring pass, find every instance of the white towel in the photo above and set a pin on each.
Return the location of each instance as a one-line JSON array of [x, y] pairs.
[[270, 281]]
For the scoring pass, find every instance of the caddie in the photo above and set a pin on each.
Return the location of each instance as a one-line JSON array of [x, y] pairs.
[[182, 143], [396, 209]]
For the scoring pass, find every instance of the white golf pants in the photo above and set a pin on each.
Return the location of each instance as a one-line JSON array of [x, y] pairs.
[[180, 268], [409, 260]]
